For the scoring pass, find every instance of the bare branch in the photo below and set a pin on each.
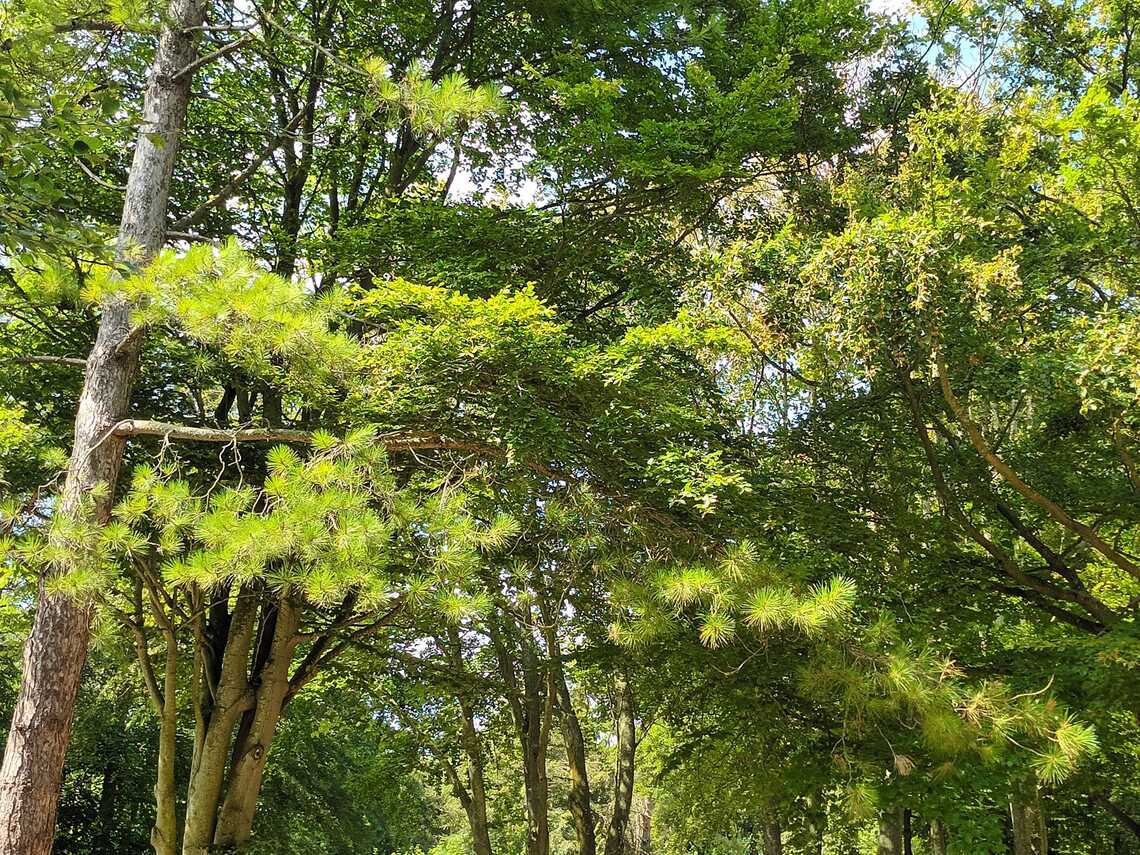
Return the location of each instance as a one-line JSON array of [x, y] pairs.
[[218, 198], [211, 57], [167, 430]]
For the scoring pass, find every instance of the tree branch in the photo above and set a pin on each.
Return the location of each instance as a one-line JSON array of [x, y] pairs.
[[198, 214], [1084, 532]]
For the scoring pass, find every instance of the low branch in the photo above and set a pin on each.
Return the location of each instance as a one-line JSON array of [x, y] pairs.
[[167, 430], [393, 442]]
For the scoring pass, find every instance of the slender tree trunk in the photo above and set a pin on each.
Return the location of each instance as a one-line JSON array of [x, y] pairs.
[[56, 648], [1119, 814], [891, 832], [235, 823], [1028, 821], [108, 796], [164, 834], [907, 833], [939, 839], [624, 716], [581, 811], [232, 699], [771, 837], [476, 806]]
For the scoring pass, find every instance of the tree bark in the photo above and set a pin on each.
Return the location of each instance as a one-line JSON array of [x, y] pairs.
[[770, 836], [1028, 822], [164, 834], [891, 832], [624, 715], [939, 839], [580, 810], [231, 700], [474, 796], [56, 649], [235, 823]]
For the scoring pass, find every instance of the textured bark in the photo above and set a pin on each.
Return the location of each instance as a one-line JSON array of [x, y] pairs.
[[624, 726], [1028, 825], [580, 810], [891, 832], [164, 834], [57, 645], [532, 711], [939, 839], [476, 804], [473, 797], [232, 699], [771, 837], [235, 822]]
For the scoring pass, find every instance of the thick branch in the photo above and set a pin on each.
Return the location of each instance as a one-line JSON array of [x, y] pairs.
[[167, 430], [1086, 533]]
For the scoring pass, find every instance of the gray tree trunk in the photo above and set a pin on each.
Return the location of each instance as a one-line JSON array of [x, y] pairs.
[[891, 832], [56, 648], [1028, 821], [939, 839], [624, 716]]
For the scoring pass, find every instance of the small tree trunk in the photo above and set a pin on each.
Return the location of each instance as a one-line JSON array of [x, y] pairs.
[[476, 806], [235, 823], [939, 839], [772, 839], [624, 716], [164, 834], [907, 833], [56, 649], [581, 812], [205, 788], [1028, 823], [891, 832]]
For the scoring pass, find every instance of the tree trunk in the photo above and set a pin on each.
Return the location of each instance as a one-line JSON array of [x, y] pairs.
[[164, 834], [235, 823], [939, 839], [476, 805], [771, 837], [1028, 822], [581, 811], [907, 833], [624, 715], [56, 649], [233, 699], [891, 832]]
